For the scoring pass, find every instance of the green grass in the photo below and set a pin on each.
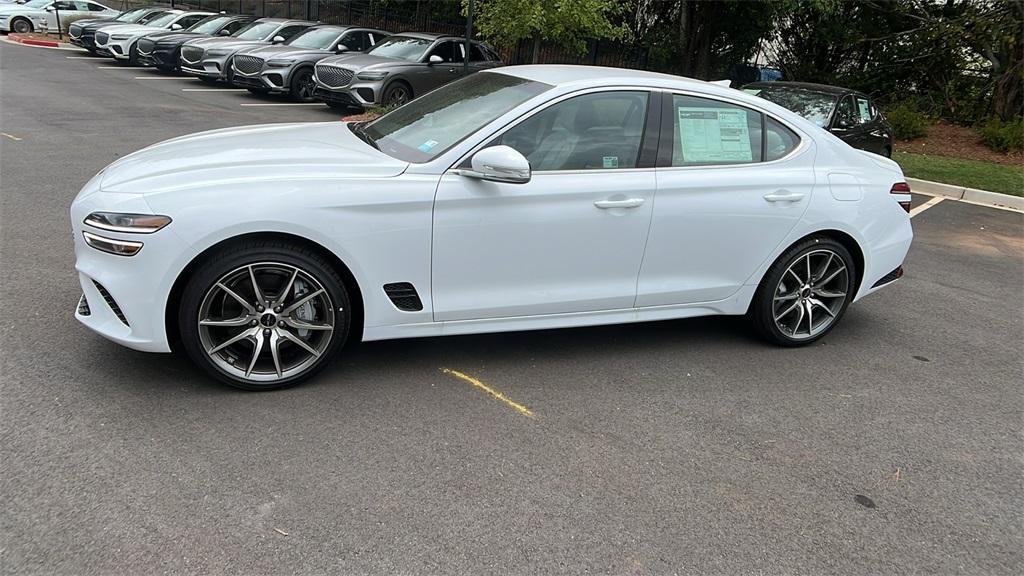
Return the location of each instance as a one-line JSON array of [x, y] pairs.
[[1003, 178]]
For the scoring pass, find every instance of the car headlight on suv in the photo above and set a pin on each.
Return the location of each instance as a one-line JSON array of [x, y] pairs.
[[279, 63], [371, 75]]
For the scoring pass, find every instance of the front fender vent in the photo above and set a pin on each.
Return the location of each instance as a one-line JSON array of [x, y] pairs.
[[403, 295], [111, 302]]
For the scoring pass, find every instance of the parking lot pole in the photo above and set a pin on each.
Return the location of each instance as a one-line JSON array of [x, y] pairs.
[[56, 14], [469, 35]]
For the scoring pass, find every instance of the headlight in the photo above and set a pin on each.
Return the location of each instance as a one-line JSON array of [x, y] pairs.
[[130, 223], [120, 36], [371, 75], [279, 63], [112, 246]]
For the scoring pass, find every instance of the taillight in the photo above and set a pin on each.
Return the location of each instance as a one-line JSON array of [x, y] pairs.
[[902, 188]]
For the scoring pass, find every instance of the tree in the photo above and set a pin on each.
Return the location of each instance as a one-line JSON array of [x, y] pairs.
[[569, 23]]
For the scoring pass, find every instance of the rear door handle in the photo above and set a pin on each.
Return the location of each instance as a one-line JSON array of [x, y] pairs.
[[627, 203], [782, 196]]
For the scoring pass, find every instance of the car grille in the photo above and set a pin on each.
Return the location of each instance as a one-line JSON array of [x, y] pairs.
[[111, 302], [191, 54], [333, 76], [102, 37], [248, 64], [145, 46]]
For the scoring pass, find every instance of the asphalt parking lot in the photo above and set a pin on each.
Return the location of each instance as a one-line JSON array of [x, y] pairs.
[[893, 446]]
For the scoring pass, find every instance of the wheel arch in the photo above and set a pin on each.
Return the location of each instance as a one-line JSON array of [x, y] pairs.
[[174, 297], [398, 80]]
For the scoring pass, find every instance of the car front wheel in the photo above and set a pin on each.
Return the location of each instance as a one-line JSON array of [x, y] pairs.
[[396, 95], [303, 86], [805, 292], [264, 315], [21, 26]]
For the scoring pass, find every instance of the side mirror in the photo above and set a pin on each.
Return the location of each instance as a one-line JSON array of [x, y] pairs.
[[841, 124], [50, 8], [343, 48], [225, 32], [278, 39], [435, 59], [175, 26], [499, 164]]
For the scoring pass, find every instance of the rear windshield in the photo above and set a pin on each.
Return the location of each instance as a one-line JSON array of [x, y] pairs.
[[811, 104]]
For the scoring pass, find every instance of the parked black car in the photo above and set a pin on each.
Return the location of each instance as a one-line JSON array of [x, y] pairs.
[[848, 114], [83, 32], [288, 68], [164, 49]]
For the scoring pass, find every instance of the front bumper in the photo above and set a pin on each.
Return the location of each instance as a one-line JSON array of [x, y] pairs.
[[208, 67], [274, 80], [160, 57], [340, 97], [126, 296], [365, 93], [119, 49]]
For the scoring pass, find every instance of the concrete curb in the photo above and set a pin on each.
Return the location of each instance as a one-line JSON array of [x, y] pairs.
[[43, 43], [971, 195]]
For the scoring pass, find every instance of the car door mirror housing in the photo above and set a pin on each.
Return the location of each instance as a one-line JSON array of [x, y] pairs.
[[435, 59], [343, 48], [175, 26], [499, 164], [278, 39], [225, 32]]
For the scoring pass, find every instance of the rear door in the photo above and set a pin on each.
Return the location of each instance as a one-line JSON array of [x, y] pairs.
[[732, 184]]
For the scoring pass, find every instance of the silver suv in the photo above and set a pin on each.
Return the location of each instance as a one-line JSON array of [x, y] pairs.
[[210, 58], [398, 69]]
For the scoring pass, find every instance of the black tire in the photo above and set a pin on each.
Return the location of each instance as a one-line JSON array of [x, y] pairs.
[[229, 76], [203, 283], [396, 94], [133, 54], [258, 91], [302, 86], [22, 26], [887, 152], [764, 308]]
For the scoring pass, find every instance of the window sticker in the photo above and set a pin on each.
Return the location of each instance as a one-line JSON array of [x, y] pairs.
[[427, 146], [864, 108], [610, 161], [714, 135]]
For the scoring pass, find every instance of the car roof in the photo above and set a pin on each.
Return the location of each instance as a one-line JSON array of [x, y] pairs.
[[286, 21], [825, 88], [422, 35], [560, 74]]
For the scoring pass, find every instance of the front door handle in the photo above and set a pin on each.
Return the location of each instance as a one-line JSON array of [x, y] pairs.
[[627, 203], [783, 196]]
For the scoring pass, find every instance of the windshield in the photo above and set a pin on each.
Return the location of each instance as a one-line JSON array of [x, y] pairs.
[[210, 25], [811, 104], [428, 126], [256, 31], [402, 48], [316, 38], [37, 3], [131, 15], [147, 18], [163, 20]]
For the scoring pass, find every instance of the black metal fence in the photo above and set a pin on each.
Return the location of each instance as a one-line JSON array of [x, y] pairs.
[[439, 16]]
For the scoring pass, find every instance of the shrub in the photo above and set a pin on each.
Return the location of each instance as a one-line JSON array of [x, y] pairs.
[[907, 121], [1003, 136]]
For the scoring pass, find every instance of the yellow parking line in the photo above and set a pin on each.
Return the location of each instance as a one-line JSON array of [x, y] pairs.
[[511, 403]]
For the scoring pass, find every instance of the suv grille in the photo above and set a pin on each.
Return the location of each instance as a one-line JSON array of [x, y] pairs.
[[333, 76], [146, 46], [248, 64], [102, 37], [191, 54]]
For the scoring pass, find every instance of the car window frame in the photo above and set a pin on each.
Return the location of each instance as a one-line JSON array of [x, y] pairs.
[[646, 156], [665, 144]]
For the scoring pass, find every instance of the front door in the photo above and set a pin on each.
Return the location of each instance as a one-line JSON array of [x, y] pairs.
[[571, 239]]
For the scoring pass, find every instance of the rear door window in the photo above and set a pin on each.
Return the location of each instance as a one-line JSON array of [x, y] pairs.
[[709, 132]]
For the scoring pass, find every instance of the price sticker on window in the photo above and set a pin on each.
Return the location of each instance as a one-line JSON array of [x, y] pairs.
[[714, 135]]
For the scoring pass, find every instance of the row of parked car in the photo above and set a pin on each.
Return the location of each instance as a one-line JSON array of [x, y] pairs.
[[342, 66]]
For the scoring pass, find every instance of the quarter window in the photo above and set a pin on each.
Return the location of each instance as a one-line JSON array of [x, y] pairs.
[[779, 140], [590, 132], [706, 132]]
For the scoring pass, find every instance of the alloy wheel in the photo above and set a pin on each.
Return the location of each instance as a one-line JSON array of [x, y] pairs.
[[265, 322], [305, 85], [811, 294], [397, 95], [22, 26]]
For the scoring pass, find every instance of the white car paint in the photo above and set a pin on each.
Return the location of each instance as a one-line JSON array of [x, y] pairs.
[[41, 15], [488, 256], [121, 37]]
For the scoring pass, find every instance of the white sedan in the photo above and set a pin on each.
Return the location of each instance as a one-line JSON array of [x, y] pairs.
[[37, 14], [519, 198]]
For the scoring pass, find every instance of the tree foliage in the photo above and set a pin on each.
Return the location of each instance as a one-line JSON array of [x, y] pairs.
[[569, 23]]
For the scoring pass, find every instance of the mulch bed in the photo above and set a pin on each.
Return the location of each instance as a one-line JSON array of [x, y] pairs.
[[945, 139]]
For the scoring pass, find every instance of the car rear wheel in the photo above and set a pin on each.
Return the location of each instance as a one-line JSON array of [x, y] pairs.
[[264, 315], [396, 95], [805, 292], [302, 85], [22, 26]]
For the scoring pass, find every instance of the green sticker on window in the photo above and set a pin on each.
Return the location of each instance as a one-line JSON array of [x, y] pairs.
[[611, 161], [714, 135]]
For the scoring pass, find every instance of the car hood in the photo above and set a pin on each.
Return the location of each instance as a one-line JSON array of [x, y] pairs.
[[361, 61], [176, 36], [283, 52], [130, 29], [288, 152], [225, 42]]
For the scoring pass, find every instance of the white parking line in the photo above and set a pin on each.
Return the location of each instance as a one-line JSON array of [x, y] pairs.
[[161, 78], [82, 57], [287, 104], [213, 90], [925, 206], [121, 67]]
